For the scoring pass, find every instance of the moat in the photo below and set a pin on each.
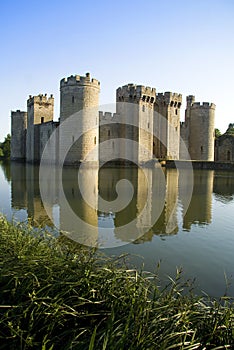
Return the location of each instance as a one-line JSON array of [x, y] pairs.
[[199, 239]]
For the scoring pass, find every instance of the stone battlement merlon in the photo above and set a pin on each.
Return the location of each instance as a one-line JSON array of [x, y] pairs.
[[18, 112], [79, 80], [108, 116], [132, 92], [203, 105], [169, 98], [40, 99]]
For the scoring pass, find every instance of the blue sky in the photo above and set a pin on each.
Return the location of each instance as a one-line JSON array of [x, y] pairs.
[[179, 46]]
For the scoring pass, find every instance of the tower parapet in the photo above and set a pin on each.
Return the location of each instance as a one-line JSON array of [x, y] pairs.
[[203, 105], [170, 98], [79, 80], [133, 93], [40, 99]]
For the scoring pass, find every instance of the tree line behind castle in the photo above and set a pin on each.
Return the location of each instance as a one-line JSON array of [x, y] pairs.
[[161, 137]]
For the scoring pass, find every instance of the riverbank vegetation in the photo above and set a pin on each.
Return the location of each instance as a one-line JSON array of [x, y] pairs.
[[5, 148], [55, 295]]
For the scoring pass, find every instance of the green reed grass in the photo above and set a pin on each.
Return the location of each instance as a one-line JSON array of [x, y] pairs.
[[54, 295]]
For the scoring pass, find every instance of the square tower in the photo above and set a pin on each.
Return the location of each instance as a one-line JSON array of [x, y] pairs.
[[40, 110]]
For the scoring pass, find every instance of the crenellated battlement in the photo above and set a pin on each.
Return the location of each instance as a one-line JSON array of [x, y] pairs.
[[40, 99], [203, 105], [136, 105], [108, 117], [76, 80], [18, 113], [172, 98], [132, 92]]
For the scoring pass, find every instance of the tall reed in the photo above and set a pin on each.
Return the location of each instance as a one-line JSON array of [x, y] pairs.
[[55, 295]]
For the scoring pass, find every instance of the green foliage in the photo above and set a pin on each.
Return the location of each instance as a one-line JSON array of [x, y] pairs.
[[55, 295], [217, 133], [230, 130], [5, 147]]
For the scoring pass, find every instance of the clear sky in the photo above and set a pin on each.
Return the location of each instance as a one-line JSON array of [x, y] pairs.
[[180, 46]]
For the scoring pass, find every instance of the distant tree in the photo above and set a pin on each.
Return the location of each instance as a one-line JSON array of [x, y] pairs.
[[1, 152], [230, 129], [217, 133], [6, 147]]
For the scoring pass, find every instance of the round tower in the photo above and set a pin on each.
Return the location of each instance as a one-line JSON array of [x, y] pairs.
[[79, 94], [201, 131]]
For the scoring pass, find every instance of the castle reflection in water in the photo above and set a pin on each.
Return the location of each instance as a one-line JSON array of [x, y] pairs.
[[151, 190]]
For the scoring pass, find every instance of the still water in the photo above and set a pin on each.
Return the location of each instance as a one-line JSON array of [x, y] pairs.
[[163, 222]]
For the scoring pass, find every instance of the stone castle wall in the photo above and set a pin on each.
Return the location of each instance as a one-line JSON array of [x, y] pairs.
[[224, 148], [79, 95], [151, 120], [40, 110], [201, 131], [167, 125], [18, 135]]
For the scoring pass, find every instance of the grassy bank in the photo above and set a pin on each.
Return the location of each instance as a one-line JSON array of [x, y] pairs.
[[57, 296]]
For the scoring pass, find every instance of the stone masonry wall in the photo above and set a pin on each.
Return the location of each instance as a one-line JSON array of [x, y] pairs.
[[40, 110], [79, 95], [224, 149], [18, 135], [201, 131]]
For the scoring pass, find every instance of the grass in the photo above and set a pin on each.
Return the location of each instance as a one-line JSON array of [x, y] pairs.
[[55, 295]]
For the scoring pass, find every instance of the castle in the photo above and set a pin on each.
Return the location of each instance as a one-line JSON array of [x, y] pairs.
[[155, 137]]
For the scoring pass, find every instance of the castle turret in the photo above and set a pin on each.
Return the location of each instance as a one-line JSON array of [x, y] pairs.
[[40, 110], [139, 110], [167, 125], [18, 135], [79, 94], [201, 123]]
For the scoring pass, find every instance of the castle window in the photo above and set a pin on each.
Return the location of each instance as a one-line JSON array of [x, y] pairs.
[[42, 120], [95, 140], [176, 111], [119, 98], [108, 132], [228, 155], [143, 108], [113, 144], [73, 99], [201, 149], [148, 125]]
